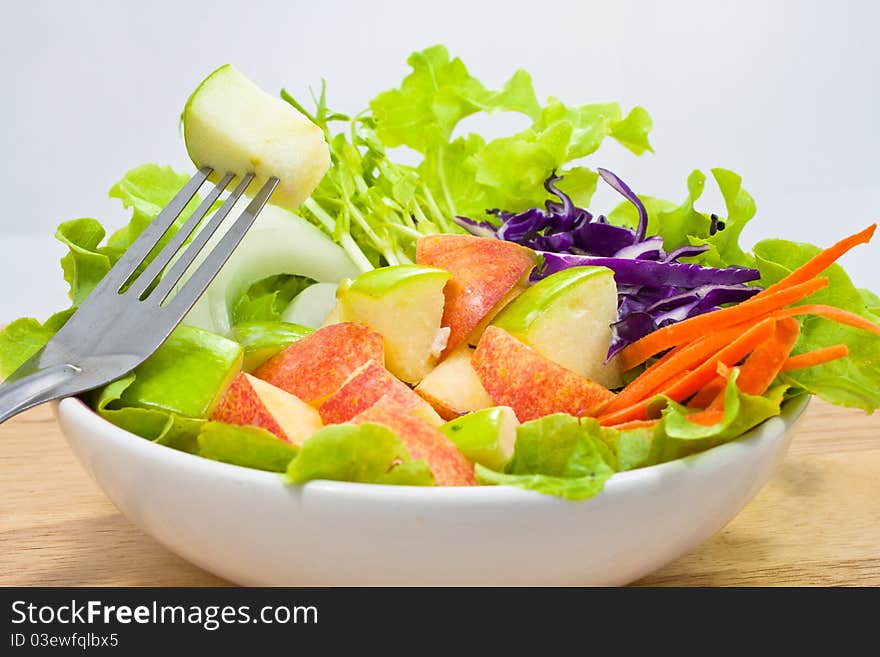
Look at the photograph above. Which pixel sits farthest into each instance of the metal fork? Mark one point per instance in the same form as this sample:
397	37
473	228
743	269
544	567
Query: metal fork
129	314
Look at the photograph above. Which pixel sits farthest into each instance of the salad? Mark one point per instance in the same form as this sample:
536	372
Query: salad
467	320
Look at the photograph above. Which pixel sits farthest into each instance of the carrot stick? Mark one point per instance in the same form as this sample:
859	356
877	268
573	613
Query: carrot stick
772	357
821	261
757	373
685	357
709	416
755	308
730	356
688	385
833	313
709	392
716	400
816	357
764	363
759	370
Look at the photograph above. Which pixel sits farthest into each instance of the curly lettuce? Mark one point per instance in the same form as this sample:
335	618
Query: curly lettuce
364	453
853	381
376	208
556	455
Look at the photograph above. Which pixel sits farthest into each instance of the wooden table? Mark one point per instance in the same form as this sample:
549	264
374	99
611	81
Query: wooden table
817	522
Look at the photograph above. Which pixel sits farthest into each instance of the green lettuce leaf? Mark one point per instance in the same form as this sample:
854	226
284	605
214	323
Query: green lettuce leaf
438	94
22	338
570	488
676	436
725	249
86	261
556	455
468	175
147	189
681	224
632	132
265	300
449	175
365	453
625	214
852	381
631	447
513	169
159	426
588	125
249	447
579	183
872	303
676	226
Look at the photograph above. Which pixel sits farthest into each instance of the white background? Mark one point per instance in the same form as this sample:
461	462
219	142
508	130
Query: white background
785	93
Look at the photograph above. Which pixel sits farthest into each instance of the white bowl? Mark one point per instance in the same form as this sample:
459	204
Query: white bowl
251	528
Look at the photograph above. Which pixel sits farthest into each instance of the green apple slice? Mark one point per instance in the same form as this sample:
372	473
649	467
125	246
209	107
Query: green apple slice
567	318
403	303
230	124
262	340
187	375
486	437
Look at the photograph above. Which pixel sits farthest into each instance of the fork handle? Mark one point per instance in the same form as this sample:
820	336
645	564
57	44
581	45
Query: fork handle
29	391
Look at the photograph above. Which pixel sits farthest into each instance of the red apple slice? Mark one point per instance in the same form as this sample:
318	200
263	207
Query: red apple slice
314	367
251	402
424	441
534	386
484	271
364	388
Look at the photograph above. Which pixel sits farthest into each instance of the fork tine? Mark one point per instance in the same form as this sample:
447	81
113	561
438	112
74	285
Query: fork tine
142	282
147	240
179	268
218	256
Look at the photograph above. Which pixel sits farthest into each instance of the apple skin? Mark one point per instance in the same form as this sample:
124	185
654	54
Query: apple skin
484	271
453	387
187	375
365	387
473	338
314	367
383	280
532	385
424	441
404	304
262	340
486	437
250	401
567	317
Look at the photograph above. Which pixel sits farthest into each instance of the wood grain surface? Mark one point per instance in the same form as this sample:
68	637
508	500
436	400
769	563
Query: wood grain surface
817	522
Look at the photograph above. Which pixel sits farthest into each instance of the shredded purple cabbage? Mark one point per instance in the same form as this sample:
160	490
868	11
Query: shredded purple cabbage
654	288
